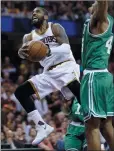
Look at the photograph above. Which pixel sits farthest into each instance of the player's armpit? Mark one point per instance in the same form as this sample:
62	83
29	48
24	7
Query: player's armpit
60	34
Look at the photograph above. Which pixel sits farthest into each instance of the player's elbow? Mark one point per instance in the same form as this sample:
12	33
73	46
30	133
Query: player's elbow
66	47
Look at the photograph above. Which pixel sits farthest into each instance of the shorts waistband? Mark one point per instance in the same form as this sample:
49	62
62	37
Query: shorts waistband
54	66
92	71
77	123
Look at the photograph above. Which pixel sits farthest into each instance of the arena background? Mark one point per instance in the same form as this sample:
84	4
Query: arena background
17	131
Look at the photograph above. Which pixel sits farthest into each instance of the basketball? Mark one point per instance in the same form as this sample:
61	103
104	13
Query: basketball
37	51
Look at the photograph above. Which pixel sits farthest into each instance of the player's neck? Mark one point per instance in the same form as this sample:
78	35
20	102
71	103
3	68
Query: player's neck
43	28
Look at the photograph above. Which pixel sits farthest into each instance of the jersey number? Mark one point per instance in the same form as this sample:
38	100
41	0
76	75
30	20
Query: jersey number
78	109
109	44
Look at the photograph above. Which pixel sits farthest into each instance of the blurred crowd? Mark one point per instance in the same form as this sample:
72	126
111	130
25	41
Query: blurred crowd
57	10
65	10
17	129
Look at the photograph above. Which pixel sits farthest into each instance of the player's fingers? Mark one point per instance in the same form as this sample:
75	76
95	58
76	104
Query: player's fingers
25	54
24	47
25	50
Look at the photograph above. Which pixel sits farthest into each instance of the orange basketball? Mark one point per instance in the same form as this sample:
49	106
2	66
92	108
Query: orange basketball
37	51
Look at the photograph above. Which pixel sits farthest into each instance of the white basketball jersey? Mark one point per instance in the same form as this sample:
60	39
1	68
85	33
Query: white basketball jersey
50	39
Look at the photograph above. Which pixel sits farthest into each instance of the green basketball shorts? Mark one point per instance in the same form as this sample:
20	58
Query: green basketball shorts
75	138
97	95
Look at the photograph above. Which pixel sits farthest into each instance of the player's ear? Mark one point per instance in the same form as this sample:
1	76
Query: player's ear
45	17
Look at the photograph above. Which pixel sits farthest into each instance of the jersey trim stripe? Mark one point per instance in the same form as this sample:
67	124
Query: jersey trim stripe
99	35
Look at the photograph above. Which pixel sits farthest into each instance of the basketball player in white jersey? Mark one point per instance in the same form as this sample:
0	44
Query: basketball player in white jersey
60	69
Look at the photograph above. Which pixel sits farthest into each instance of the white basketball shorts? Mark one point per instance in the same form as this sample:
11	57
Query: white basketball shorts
55	79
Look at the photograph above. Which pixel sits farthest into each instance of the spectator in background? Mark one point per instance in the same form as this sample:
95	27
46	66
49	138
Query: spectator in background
48	116
20	135
18	118
52	123
10	121
3	138
12	9
10	140
32	134
25	13
4	9
6	77
59	118
46	145
4	112
20	79
8	66
56	10
53	139
24	70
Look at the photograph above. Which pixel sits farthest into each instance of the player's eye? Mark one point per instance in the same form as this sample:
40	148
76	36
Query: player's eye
38	11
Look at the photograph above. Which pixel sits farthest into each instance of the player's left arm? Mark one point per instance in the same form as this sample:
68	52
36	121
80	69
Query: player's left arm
60	34
100	13
102	10
62	39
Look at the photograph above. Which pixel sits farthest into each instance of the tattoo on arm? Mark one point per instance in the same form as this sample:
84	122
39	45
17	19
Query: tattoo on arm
60	34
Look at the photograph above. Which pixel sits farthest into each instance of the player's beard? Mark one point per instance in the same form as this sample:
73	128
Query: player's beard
38	23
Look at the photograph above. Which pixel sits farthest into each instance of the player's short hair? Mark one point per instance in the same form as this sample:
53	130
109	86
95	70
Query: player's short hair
44	10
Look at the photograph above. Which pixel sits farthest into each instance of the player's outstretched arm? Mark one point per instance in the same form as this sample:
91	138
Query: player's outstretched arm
22	51
100	12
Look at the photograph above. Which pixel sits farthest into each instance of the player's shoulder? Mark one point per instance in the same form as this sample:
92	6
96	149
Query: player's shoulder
57	25
27	37
57	28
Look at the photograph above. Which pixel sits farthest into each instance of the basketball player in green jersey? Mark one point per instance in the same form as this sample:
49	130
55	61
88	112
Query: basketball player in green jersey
75	137
97	83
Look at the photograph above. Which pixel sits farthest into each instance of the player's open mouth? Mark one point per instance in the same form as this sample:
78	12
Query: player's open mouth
35	18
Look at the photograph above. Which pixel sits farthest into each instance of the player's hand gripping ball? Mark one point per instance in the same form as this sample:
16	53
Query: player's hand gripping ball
37	50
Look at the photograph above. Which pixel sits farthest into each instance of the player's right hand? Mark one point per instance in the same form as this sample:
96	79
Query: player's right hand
22	52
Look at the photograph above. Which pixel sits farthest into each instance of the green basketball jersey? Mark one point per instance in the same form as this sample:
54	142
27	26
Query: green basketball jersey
76	111
96	48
